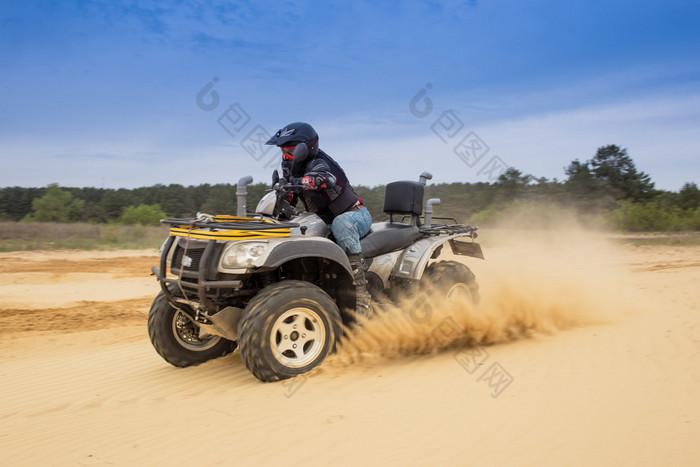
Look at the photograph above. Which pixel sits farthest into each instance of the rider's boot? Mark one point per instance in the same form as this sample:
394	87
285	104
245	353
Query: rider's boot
363	305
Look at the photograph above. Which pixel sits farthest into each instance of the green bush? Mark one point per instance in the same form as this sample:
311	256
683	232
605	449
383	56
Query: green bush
653	216
143	214
691	219
57	205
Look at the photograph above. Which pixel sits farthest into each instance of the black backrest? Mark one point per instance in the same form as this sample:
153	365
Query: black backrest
404	198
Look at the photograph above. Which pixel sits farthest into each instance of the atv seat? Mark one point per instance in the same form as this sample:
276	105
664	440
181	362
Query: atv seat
384	237
400	198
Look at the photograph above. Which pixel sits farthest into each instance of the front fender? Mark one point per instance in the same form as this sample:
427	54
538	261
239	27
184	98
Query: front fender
305	248
414	259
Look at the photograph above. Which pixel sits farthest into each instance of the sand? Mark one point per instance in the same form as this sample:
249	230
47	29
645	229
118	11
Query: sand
581	352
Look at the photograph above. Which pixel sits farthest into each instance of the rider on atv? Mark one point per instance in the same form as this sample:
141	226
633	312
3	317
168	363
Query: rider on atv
328	193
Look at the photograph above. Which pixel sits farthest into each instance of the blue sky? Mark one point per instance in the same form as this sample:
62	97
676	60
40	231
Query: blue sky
135	93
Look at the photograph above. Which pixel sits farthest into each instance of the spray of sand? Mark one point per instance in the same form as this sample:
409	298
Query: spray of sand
530	283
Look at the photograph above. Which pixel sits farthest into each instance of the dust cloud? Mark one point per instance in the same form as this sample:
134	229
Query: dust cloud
531	283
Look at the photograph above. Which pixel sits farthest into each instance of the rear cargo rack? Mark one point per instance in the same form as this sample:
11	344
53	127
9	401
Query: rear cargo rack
440	229
449	229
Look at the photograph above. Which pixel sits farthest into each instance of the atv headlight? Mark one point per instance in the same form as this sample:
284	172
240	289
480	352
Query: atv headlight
244	255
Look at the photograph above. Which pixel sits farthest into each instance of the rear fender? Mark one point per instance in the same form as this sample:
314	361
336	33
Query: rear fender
383	265
414	259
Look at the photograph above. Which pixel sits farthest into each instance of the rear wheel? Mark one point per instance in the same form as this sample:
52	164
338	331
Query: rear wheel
287	329
178	339
453	282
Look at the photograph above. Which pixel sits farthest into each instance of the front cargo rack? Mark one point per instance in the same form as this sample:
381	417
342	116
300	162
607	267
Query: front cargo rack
207	227
211	229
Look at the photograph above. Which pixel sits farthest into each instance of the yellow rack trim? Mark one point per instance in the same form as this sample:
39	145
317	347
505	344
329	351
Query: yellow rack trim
230	234
226	218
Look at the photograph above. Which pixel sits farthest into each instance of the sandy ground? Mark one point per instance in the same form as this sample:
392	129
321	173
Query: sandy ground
580	353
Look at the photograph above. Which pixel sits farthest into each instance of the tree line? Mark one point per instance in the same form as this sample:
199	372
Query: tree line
608	188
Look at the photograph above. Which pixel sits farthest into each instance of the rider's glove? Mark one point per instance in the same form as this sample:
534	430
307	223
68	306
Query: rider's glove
308	182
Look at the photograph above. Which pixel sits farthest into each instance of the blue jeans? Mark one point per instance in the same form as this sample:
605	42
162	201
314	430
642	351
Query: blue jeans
349	227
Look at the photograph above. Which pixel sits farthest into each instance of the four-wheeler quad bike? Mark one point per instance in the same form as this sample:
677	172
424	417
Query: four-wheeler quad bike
280	289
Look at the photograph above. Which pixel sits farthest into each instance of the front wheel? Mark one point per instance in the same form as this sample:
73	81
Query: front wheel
287	329
178	339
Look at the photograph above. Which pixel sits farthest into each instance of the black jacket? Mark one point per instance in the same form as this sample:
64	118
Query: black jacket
331	193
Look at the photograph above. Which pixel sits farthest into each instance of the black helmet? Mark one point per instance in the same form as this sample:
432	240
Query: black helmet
296	133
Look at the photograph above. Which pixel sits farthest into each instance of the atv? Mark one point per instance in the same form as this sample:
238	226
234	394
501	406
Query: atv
278	287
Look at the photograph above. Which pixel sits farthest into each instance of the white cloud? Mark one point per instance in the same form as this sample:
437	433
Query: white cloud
661	135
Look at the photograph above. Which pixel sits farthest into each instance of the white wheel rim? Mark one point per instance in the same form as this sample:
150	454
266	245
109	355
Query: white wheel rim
459	293
187	333
297	337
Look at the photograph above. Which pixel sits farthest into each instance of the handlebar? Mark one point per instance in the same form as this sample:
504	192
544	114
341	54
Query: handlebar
288	187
